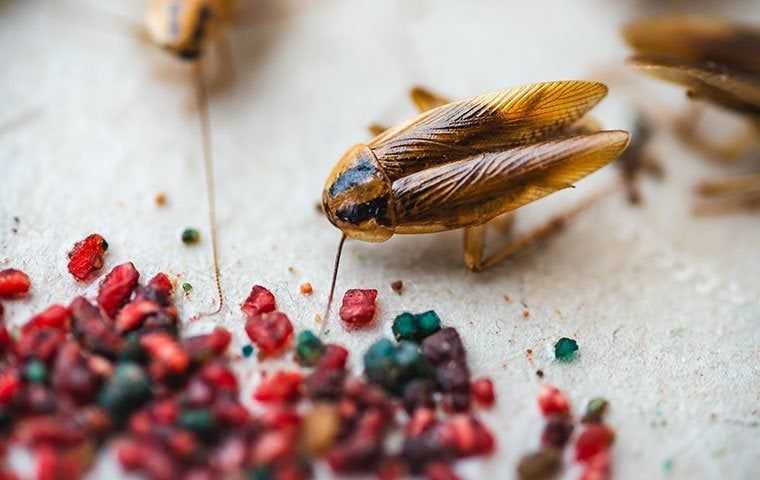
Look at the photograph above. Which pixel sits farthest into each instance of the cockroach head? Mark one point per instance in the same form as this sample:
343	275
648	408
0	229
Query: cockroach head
357	197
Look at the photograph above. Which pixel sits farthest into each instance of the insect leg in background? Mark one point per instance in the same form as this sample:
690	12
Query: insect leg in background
718	61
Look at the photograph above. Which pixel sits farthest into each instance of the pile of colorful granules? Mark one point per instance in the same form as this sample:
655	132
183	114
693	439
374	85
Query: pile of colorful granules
115	370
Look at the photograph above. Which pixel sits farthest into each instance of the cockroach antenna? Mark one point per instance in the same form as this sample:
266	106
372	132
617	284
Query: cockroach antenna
208	165
332	284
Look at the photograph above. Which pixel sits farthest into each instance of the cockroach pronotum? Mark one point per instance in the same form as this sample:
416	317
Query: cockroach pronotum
718	61
460	165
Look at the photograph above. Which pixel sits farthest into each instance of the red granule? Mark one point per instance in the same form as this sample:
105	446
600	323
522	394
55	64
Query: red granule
40	343
10	383
166	353
482	391
440	471
593	440
422	419
14	283
86	257
259	301
271	331
551	401
162	283
204	347
333	358
132	316
358	308
599	467
467	436
280	387
117	287
55	316
306	288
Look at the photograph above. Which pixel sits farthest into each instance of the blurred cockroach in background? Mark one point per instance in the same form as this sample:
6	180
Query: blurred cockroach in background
718	61
460	165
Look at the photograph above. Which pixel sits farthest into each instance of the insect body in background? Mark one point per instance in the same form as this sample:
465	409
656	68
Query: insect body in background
459	165
719	62
185	28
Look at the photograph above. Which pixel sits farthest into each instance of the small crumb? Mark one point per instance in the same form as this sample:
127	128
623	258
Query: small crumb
187	288
397	286
525	313
529	351
160	199
507	299
190	236
16	220
291	270
540	373
306	288
318	319
14	230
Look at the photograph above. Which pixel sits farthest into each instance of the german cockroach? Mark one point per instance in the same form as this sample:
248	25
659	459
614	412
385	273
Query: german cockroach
460	165
719	62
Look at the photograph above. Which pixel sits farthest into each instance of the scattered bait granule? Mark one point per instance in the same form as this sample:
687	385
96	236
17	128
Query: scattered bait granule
270	331
540	373
358	308
482	392
247	350
557	432
306	288
281	387
320	428
116	288
14	283
260	300
160	199
565	349
187	288
551	401
595	410
309	348
397	286
190	236
86	257
507	299
595	439
526	313
416	328
598	468
541	465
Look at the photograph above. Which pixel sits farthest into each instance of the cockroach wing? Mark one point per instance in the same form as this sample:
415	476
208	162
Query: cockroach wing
734	90
697	40
491	122
476	189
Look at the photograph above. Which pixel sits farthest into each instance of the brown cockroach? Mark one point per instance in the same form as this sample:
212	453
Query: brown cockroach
718	61
460	165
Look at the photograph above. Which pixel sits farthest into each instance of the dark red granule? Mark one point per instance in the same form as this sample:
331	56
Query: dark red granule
6	341
419	393
14	283
281	387
358	308
220	377
116	288
482	392
202	348
440	471
397	286
274	445
557	432
325	383
55	316
72	376
445	351
392	468
271	331
86	257
599	467
55	464
551	401
133	315
259	301
59	430
91	330
420	421
466	436
167	356
594	439
362	450
334	357
41	343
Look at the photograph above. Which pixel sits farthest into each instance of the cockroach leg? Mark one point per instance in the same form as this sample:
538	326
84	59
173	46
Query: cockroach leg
728	195
475	242
731	149
505	224
474	246
224	72
376	129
